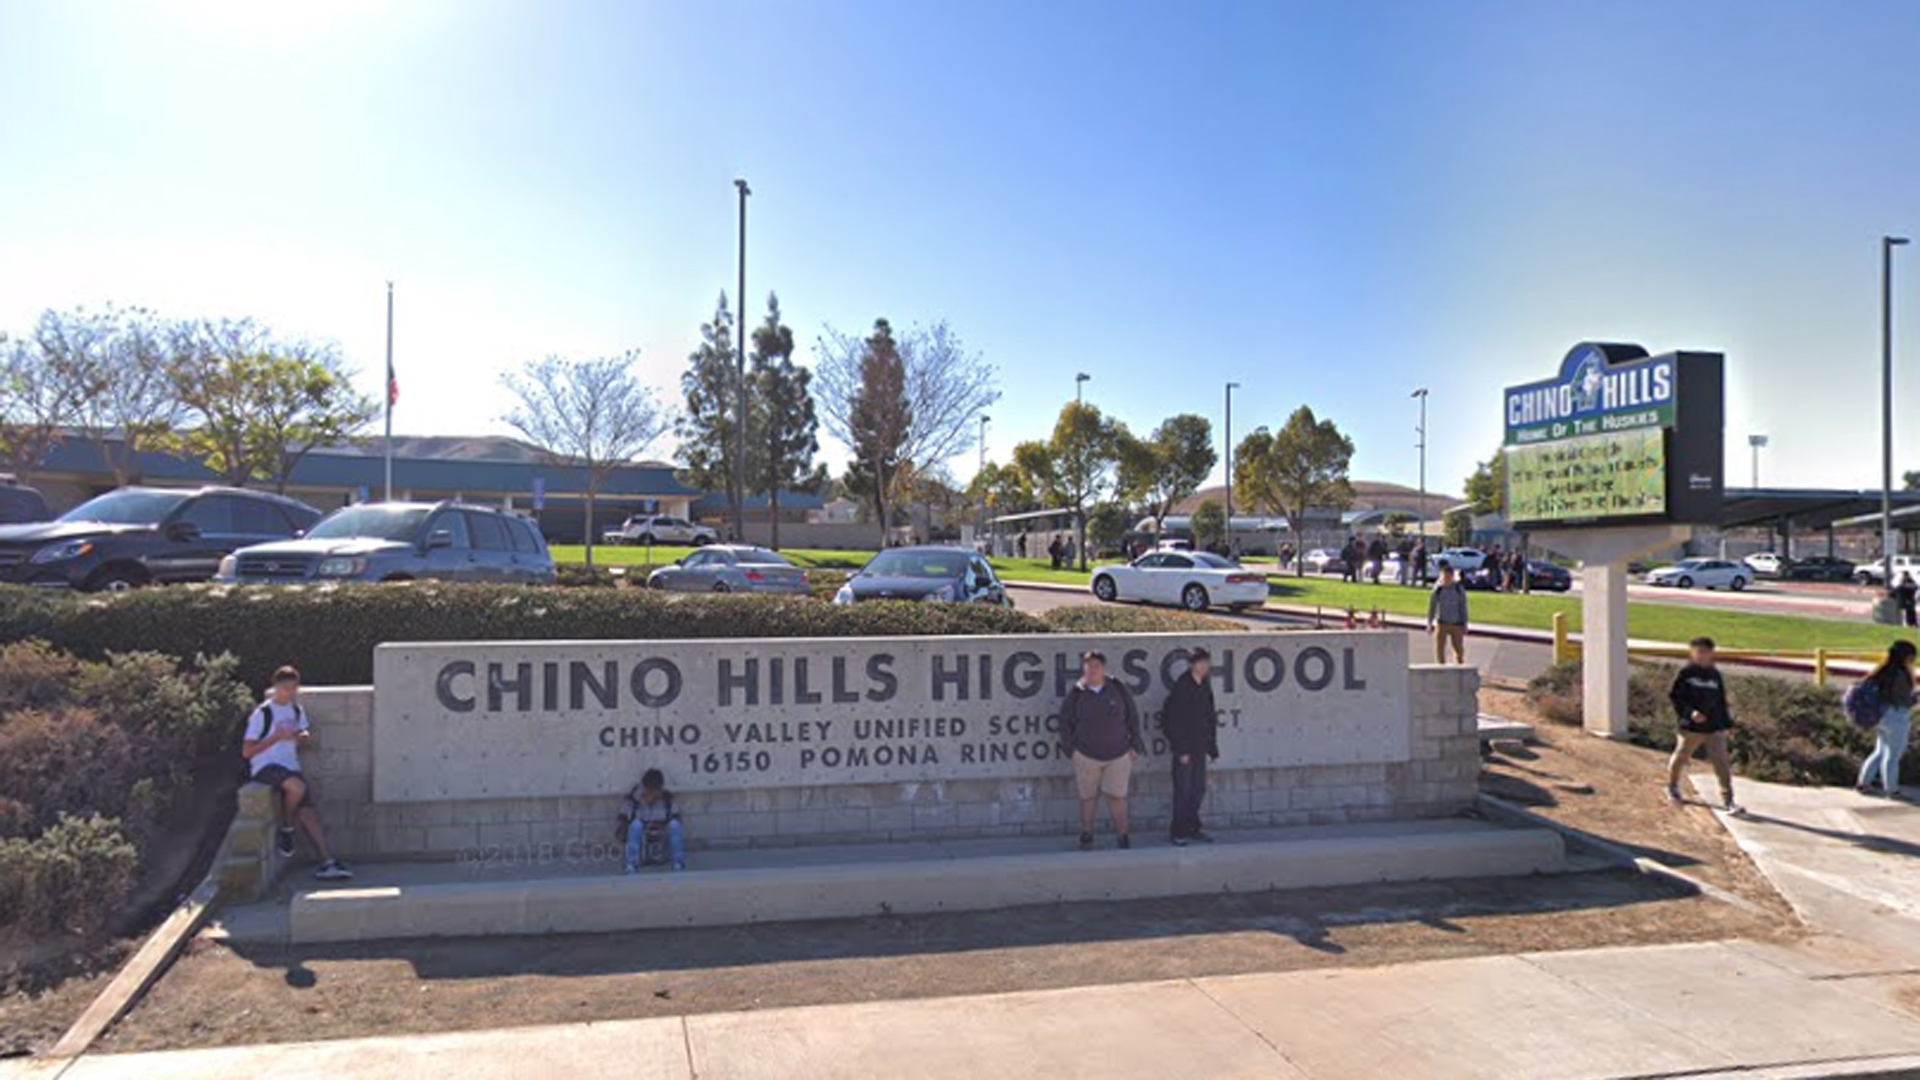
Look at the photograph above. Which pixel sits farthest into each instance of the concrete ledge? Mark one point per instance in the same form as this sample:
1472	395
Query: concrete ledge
850	881
1499	728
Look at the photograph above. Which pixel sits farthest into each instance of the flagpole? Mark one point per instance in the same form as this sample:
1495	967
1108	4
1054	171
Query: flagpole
389	389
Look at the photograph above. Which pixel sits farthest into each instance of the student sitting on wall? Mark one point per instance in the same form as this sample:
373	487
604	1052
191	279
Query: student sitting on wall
650	825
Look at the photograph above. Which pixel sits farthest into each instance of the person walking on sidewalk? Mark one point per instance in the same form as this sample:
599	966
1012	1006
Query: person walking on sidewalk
1447	616
1192	726
1101	725
1699	697
1894	681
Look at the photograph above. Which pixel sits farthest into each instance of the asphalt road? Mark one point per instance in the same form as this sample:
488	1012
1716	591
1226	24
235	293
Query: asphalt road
1496	659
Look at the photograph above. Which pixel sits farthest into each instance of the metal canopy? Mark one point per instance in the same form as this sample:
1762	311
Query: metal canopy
1805	508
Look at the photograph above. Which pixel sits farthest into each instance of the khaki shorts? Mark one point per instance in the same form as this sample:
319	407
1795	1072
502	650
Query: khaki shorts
1093	778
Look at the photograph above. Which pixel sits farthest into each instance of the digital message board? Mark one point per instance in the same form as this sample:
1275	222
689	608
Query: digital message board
1617	437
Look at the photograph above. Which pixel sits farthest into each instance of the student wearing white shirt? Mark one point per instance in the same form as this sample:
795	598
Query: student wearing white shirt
271	744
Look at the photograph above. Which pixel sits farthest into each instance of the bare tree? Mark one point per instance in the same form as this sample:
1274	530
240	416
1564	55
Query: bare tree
946	387
594	415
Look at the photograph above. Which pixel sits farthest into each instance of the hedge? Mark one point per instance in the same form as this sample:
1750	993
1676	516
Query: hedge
330	632
1786	730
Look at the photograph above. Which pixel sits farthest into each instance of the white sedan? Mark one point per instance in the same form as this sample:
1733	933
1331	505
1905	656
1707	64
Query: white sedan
1195	580
1706	573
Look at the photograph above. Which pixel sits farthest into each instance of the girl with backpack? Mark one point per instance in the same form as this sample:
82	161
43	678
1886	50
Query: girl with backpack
1892	682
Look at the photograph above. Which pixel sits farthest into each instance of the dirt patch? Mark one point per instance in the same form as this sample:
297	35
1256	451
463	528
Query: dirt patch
38	1002
220	995
1616	790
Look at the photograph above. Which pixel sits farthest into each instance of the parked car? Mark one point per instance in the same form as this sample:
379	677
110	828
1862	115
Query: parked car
1324	561
1820	568
401	541
146	536
1766	564
21	505
1549	577
661	529
1464	560
1195	580
1874	571
1705	573
925	573
731	568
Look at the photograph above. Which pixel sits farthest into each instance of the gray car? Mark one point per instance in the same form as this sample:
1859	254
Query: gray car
401	541
731	568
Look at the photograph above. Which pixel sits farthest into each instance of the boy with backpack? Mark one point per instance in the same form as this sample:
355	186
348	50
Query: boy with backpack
1699	697
650	826
271	746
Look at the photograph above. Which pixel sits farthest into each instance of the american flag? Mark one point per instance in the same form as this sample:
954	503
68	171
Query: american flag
393	387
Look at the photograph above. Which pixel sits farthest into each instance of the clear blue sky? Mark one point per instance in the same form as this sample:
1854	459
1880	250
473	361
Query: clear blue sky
1331	203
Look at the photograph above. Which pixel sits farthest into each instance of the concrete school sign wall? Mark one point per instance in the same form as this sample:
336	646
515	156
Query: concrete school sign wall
493	720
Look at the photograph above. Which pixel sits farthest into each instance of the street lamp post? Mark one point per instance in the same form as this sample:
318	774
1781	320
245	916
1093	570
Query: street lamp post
1422	444
740	377
1887	244
1079	381
1756	442
984	419
1231	387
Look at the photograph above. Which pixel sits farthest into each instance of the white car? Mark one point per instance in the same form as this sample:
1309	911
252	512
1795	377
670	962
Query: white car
1705	573
1766	564
1324	561
1464	560
661	529
1874	571
1195	580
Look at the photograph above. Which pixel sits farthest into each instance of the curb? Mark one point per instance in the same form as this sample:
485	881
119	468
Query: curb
1500	809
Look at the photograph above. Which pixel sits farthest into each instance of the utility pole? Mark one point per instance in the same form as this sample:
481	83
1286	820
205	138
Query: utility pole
740	374
1887	244
1079	381
1231	387
1756	442
984	420
393	392
1422	444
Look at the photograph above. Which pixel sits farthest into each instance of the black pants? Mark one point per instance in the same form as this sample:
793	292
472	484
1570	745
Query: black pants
1189	789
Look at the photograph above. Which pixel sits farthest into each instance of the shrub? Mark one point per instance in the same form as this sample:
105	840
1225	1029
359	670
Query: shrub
77	876
34	676
1786	730
63	763
1087	619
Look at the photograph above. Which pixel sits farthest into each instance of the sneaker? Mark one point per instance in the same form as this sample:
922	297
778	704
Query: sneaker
283	842
1201	838
1124	843
1179	841
629	870
679	866
1086	841
1733	809
333	870
1674	796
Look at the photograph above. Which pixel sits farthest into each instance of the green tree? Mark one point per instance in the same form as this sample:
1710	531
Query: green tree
122	358
257	404
708	431
1302	467
783	429
1457	527
879	422
1001	489
1487	487
1167	466
1107	527
1081	460
1209	525
593	415
39	397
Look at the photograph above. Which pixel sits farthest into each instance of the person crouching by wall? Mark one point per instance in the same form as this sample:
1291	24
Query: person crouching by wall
1192	726
1101	725
651	826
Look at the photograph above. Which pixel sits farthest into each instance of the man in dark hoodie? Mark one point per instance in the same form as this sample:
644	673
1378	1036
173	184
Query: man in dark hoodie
1101	725
1192	728
1699	697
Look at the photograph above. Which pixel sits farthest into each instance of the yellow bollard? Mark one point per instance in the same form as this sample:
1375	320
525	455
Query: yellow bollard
1820	668
1562	649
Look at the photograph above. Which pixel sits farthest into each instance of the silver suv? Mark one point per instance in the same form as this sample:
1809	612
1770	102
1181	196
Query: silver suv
401	541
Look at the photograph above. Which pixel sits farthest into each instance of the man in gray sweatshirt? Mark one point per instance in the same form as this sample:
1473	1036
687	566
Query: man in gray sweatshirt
1100	723
1447	616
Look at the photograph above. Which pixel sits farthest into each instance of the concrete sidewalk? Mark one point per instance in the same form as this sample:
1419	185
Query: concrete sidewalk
1698	1010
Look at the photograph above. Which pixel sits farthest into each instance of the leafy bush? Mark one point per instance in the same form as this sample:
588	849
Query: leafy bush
62	763
579	575
1785	730
1106	619
76	875
33	675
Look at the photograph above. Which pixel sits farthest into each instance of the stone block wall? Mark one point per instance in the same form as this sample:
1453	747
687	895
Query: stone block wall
1439	781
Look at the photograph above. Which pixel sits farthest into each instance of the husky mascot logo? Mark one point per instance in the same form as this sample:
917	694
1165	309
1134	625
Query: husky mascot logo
1586	384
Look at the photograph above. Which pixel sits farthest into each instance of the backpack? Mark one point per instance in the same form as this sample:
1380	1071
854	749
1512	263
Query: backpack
1862	703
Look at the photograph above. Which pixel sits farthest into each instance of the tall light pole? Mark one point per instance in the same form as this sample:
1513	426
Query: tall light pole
1887	244
1231	387
984	420
1079	381
740	375
1422	444
1756	442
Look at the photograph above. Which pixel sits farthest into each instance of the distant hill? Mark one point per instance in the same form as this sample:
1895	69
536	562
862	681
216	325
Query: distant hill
1367	495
